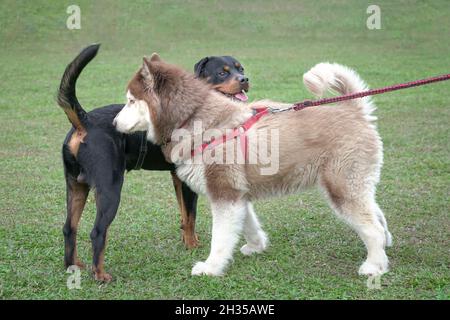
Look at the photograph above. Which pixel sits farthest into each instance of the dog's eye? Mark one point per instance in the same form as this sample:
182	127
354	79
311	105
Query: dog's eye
131	101
223	74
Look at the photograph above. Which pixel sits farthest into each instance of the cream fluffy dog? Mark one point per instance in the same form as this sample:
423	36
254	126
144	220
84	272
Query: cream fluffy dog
336	148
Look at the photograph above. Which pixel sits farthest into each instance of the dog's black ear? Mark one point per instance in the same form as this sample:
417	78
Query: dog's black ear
200	67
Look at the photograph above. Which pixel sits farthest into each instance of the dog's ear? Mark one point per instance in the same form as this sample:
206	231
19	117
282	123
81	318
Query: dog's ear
200	67
152	66
155	57
145	70
151	72
157	74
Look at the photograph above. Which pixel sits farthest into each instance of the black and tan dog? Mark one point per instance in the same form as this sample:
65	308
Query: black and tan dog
226	75
95	155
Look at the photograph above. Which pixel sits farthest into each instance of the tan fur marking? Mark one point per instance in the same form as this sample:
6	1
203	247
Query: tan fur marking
99	271
77	201
73	118
188	235
75	141
229	87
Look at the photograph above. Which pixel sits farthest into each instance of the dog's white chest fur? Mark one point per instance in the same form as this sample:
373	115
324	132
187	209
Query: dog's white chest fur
194	176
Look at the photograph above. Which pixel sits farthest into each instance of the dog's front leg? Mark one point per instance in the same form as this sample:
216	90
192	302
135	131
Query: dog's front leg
228	221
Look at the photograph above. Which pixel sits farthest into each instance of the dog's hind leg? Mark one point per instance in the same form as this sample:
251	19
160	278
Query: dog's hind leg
254	235
76	199
382	220
359	210
107	201
362	217
187	203
228	222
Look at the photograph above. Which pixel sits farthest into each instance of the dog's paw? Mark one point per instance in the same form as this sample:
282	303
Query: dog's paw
102	277
190	240
251	248
373	269
203	268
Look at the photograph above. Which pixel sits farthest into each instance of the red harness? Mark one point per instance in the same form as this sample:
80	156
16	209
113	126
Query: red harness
239	132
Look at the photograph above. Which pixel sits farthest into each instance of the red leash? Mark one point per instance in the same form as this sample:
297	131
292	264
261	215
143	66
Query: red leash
309	103
260	112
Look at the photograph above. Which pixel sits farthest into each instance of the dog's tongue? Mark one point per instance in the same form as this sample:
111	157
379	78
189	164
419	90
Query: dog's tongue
241	96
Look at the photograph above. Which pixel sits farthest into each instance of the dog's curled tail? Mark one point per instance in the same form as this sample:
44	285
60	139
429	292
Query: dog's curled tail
67	98
338	79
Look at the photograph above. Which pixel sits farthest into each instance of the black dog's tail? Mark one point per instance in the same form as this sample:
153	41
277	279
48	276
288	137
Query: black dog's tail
67	98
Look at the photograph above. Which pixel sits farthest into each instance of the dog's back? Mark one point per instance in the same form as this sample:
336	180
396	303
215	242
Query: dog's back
315	141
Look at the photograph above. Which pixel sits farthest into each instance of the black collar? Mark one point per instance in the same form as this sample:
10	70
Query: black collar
142	150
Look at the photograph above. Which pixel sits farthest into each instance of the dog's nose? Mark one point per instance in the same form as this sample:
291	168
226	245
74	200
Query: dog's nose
242	79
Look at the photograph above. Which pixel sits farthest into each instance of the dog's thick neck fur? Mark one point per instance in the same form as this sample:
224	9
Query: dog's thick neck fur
165	88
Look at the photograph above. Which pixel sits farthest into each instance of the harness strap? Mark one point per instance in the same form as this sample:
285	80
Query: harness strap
239	132
142	150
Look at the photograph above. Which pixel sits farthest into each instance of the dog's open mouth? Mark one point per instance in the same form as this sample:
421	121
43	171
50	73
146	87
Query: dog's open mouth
241	96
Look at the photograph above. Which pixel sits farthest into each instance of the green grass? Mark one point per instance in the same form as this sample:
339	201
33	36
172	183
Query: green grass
312	255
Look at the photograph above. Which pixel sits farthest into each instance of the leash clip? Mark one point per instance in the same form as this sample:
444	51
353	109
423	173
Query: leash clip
278	110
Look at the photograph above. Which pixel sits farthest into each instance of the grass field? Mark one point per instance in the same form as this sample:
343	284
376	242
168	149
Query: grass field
312	254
